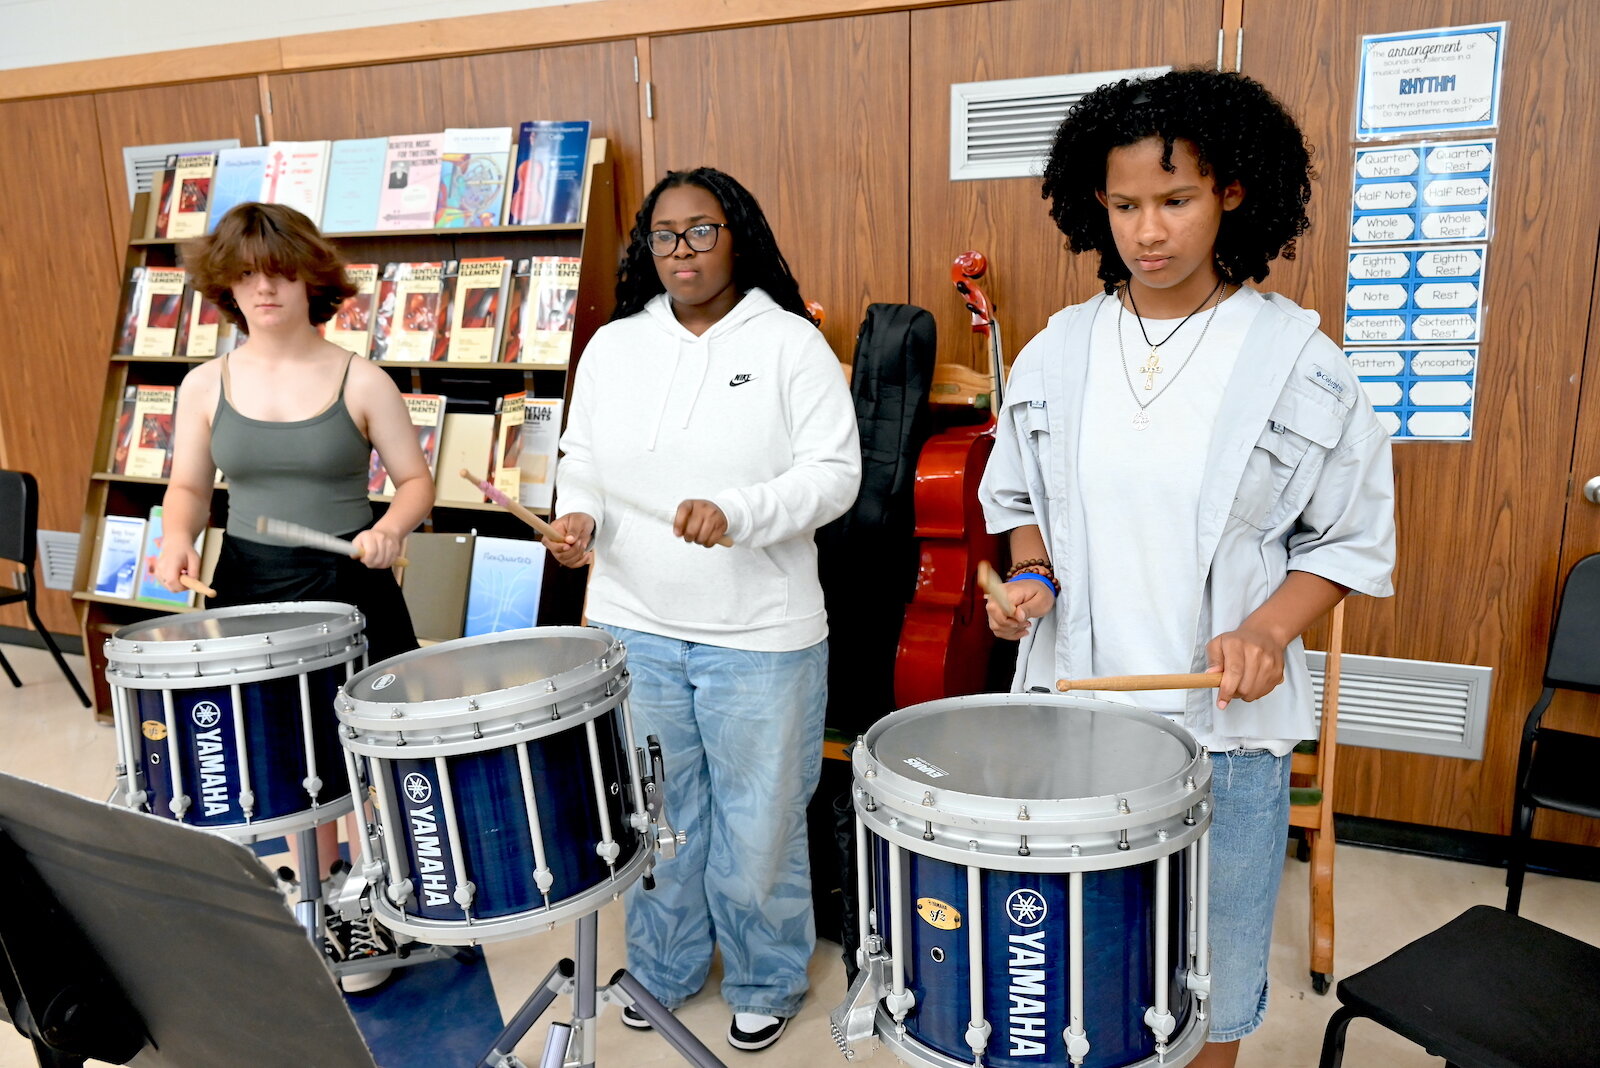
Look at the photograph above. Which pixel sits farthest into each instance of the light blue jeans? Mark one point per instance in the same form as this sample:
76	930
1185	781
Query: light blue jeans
1249	831
741	736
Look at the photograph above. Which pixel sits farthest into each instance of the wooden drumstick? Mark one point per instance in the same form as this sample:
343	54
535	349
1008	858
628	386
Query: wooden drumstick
189	582
991	584
1199	680
296	534
495	495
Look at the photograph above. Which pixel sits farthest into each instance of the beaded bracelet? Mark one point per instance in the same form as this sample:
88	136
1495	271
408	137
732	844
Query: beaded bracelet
1028	565
1046	579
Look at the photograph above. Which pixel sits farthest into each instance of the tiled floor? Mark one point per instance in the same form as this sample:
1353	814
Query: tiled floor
1383	901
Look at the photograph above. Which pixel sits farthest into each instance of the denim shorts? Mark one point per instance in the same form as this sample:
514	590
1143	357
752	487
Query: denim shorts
1249	831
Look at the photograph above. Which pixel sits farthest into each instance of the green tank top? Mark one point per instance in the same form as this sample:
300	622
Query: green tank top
307	471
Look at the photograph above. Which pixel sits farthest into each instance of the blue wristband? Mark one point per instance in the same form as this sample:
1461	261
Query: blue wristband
1055	590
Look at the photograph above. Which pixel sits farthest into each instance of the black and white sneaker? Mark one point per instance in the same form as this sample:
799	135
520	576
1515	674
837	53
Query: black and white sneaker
753	1030
365	939
634	1018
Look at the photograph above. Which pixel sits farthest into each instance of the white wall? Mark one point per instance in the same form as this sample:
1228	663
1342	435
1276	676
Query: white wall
37	32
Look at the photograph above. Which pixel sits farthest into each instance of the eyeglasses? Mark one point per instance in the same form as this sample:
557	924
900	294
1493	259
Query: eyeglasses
702	237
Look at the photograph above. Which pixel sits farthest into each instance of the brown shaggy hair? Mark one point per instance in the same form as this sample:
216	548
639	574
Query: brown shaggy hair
277	240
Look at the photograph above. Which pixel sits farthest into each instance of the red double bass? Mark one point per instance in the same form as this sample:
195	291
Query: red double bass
945	641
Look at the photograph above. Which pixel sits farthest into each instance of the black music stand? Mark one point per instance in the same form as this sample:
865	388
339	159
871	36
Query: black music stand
178	936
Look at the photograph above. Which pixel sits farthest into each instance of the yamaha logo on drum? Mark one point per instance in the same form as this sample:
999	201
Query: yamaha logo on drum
1025	1027
213	760
429	851
384	681
418	788
1026	908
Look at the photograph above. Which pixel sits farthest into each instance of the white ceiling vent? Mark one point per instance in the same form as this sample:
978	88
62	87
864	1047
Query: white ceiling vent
1003	129
1413	706
141	163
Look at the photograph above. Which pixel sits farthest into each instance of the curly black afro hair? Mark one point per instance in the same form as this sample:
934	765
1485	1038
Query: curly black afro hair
1241	132
757	260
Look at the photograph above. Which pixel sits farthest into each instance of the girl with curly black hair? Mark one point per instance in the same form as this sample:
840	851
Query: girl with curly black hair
1188	472
710	410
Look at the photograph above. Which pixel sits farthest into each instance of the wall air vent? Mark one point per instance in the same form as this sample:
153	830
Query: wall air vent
58	558
1003	129
142	163
1413	706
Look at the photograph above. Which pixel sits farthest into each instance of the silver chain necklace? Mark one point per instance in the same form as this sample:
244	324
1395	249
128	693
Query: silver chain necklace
1141	418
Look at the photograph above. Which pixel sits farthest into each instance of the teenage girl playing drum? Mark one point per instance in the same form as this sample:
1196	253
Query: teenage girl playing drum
1189	473
711	392
291	419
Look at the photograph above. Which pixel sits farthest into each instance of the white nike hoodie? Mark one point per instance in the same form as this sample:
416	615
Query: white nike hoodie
753	415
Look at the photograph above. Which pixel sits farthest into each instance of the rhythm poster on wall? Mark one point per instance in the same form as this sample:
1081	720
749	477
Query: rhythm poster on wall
1428	81
1427	192
1421	308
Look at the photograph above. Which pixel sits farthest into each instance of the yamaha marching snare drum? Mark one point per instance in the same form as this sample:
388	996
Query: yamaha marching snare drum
224	718
1031	885
509	791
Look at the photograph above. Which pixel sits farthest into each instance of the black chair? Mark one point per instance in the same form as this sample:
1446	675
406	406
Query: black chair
19	531
1486	990
1557	769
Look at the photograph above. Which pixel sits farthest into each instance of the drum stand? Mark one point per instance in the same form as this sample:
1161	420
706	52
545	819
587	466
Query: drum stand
577	1039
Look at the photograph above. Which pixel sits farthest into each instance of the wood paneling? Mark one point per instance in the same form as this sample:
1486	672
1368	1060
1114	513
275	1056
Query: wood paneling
381	101
501	31
1480	522
564	25
57	281
1032	275
196	112
813	119
184	65
593	82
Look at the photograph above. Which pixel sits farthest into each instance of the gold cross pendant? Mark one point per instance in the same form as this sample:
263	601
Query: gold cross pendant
1151	368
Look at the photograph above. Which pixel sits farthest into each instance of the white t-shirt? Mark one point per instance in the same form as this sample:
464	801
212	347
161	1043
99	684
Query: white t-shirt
1142	488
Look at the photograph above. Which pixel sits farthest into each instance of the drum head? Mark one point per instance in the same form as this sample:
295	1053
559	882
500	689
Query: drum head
474	666
238	621
1048	750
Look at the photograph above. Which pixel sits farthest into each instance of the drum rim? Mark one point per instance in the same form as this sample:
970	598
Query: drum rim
376	717
945	806
123	649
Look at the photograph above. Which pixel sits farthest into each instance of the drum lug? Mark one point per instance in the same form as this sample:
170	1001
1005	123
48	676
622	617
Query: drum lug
1077	1044
853	1021
899	1004
464	892
400	892
977	1037
1198	982
1162	1023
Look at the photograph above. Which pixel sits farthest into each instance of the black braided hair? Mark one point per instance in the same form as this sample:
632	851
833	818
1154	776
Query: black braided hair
756	258
1241	133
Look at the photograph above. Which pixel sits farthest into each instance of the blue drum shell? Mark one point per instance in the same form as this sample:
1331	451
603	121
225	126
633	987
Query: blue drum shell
274	737
492	818
1025	964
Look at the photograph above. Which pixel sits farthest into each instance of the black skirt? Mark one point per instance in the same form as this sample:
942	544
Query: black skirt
251	572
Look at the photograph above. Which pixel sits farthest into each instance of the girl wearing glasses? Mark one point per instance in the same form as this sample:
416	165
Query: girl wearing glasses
710	408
